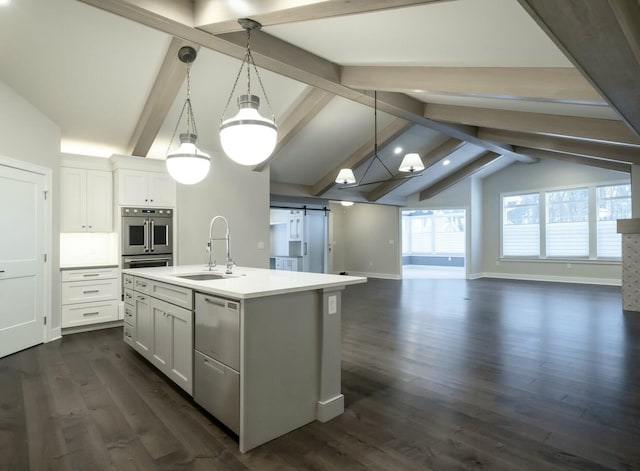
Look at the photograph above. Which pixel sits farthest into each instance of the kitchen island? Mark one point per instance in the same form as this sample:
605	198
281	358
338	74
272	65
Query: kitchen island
259	349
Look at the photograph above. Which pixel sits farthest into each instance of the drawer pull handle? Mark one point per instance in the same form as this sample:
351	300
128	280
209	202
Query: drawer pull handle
1	271
90	313
128	295
213	367
217	302
144	285
128	334
90	291
91	274
141	298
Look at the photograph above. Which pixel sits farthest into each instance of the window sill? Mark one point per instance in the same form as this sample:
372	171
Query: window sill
577	261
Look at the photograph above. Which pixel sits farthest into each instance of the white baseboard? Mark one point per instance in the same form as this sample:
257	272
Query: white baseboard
475	276
327	410
383	276
55	334
552	278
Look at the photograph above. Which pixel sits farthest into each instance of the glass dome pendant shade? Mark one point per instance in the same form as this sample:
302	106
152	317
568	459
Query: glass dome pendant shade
248	138
187	164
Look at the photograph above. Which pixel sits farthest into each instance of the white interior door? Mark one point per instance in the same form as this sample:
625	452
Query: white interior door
21	259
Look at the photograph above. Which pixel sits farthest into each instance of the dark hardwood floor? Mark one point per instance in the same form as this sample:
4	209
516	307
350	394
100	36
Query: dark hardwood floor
437	374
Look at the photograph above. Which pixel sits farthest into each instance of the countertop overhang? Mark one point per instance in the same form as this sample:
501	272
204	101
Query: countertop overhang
245	282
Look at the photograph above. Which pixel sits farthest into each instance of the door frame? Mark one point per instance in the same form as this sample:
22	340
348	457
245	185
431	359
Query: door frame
48	332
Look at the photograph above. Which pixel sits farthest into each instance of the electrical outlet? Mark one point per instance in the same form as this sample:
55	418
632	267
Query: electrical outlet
332	304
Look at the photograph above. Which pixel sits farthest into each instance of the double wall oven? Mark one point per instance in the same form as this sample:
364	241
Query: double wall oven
147	237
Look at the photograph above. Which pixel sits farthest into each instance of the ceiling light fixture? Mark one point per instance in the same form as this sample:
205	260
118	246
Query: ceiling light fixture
187	164
446	162
346	203
248	138
411	163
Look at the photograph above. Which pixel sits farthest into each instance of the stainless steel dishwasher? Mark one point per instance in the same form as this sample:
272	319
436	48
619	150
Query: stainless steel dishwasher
216	377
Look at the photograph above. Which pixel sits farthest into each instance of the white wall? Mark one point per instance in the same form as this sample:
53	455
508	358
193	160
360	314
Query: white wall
524	177
240	195
367	240
28	135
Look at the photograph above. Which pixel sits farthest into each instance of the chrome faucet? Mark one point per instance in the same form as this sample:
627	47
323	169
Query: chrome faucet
212	263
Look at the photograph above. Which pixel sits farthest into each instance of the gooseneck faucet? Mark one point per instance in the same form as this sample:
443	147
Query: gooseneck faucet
212	263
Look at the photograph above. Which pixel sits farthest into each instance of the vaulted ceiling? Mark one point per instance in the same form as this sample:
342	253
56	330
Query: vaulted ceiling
479	83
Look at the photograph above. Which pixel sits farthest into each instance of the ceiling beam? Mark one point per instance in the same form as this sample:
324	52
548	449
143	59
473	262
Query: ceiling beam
293	62
161	97
302	111
535	123
618	153
216	16
361	155
430	158
590	35
460	174
628	15
550	84
577	159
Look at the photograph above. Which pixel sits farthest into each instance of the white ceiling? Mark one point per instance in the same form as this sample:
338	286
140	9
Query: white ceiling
91	72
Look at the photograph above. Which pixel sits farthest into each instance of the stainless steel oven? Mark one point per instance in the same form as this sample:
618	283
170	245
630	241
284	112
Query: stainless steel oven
147	231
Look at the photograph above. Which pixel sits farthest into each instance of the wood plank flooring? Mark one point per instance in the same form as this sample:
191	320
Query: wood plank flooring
437	374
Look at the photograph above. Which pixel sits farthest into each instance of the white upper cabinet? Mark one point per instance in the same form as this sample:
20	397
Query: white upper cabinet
142	188
87	200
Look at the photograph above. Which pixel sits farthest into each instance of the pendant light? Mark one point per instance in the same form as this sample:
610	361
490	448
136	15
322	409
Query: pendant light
410	163
187	164
248	138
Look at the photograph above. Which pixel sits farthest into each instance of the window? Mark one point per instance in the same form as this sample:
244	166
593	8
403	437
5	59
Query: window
438	232
613	203
566	223
521	225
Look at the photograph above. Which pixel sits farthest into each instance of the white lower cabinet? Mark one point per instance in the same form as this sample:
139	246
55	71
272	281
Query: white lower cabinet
89	296
161	331
173	342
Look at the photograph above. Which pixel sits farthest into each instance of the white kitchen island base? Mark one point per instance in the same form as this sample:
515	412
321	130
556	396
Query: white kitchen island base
289	369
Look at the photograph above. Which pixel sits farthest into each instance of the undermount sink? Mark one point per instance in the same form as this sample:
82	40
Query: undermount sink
203	276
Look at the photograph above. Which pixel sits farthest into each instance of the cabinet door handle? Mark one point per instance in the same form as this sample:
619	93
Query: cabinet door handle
90	291
141	298
85	314
143	285
217	302
1	271
91	274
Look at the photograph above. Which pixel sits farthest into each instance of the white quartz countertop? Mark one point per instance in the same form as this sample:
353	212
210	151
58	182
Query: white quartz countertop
245	282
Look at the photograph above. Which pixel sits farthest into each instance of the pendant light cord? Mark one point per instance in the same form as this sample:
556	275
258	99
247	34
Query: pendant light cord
248	59
191	121
375	141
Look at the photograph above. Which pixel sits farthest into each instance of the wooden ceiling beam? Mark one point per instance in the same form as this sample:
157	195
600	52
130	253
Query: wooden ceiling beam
550	84
361	155
165	89
457	176
216	16
293	62
618	153
535	123
302	111
576	159
628	15
430	158
590	35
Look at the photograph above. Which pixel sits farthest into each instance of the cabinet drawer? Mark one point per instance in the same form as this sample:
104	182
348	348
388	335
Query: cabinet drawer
173	294
89	313
217	389
129	315
88	274
141	285
89	291
127	281
128	296
129	334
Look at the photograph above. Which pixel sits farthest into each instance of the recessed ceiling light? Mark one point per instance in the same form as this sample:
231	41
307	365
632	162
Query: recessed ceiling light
346	203
397	150
4	3
446	162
